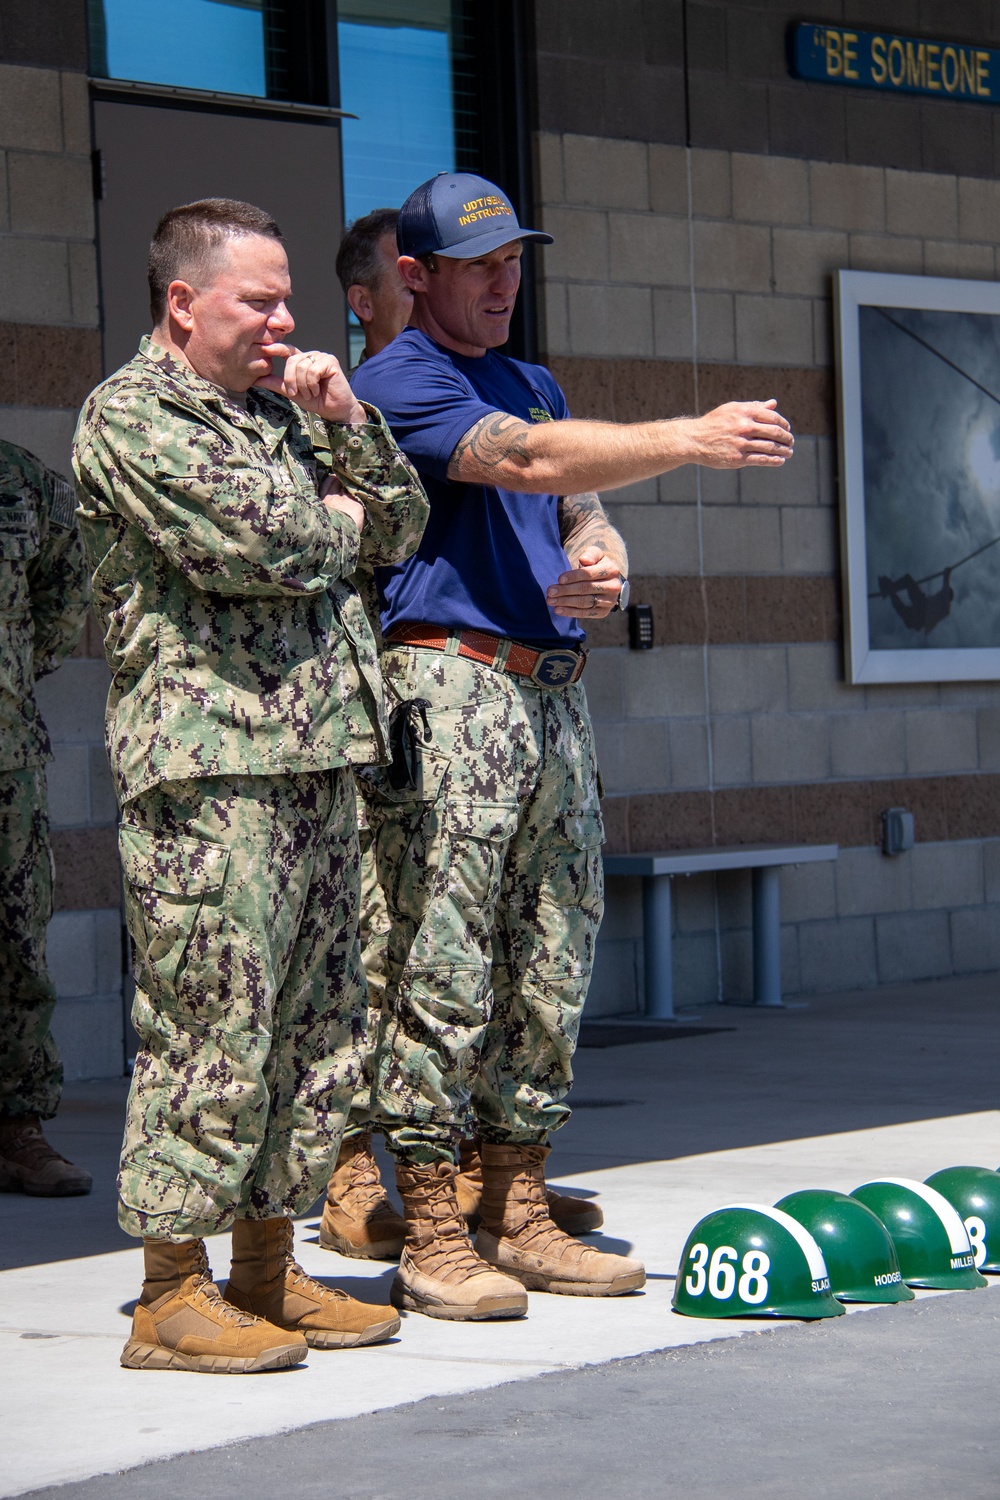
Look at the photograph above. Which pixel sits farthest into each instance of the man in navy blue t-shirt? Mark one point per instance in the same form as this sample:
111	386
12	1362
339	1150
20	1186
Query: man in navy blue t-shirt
487	827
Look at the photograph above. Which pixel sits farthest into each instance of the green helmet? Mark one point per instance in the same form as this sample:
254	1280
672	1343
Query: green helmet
974	1192
856	1245
930	1239
751	1261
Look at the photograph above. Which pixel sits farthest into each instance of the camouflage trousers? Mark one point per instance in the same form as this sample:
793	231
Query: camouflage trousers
241	897
492	877
30	1070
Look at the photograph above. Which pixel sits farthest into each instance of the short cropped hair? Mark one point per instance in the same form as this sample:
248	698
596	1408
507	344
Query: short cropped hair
358	259
187	242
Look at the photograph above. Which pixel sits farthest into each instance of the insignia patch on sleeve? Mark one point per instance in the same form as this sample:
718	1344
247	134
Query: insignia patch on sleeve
62	504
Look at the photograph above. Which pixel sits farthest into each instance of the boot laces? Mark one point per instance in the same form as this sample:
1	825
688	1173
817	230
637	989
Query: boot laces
295	1276
438	1239
365	1185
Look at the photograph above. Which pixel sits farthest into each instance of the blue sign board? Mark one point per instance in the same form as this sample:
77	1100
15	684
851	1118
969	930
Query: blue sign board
895	64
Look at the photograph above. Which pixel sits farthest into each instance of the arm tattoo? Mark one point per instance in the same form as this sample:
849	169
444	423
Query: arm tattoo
584	523
495	440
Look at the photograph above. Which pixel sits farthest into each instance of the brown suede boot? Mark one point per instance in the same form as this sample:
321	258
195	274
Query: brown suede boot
440	1274
182	1323
266	1280
28	1164
358	1219
518	1236
572	1215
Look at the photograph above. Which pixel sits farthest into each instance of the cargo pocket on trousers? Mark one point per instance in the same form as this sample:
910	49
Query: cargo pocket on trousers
174	912
153	1195
478	835
585	832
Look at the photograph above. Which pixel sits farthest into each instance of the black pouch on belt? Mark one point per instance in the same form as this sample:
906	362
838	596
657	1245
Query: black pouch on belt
403	730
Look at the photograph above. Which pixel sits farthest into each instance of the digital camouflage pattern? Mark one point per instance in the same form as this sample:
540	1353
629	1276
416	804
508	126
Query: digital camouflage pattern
236	642
241	900
30	1070
43	605
493	880
43	597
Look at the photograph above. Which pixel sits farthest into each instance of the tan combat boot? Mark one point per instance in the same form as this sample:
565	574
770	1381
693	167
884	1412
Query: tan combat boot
28	1164
266	1280
358	1219
518	1236
182	1322
440	1274
572	1215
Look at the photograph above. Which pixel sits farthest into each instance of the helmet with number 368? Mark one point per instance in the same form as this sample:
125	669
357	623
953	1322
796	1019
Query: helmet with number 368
750	1261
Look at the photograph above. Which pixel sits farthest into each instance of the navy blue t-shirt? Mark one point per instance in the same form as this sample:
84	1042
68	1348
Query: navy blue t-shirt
488	555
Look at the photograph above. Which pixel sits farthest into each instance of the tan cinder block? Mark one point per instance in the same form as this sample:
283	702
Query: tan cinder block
673	337
823	331
816	679
611	320
711	185
979	209
680	486
688	752
50	195
795	483
868	744
770	189
34	282
716	325
30	109
949	258
774	330
581	244
730	750
606	173
846	197
805	260
668	179
649	249
718	486
732	257
556	318
747	680
550	186
742	541
937	742
885	252
921	202
668	680
790	747
75	114
808	539
665	537
826	469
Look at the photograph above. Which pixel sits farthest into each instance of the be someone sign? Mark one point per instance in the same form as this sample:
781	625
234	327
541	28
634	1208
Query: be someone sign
896	64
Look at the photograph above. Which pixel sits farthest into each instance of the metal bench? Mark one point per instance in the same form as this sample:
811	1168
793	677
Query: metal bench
657	871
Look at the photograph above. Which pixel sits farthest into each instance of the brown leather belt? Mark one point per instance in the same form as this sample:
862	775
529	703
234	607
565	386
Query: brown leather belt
555	668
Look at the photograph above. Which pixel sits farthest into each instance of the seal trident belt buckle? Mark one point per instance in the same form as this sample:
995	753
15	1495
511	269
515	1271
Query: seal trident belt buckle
557	668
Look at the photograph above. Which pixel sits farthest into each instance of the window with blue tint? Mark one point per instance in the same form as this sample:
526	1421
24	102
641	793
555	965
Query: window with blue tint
218	45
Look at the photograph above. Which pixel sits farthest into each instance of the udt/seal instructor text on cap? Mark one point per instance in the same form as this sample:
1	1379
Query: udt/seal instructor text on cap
459	215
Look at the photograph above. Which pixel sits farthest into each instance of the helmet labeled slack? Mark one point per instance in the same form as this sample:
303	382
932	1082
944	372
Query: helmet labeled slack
748	1260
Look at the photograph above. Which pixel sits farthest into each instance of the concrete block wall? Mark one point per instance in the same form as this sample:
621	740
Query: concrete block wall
49	360
685	276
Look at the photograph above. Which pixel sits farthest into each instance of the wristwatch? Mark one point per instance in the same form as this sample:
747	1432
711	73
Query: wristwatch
621	603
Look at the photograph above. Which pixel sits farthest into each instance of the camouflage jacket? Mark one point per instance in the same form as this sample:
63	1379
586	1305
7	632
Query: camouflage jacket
236	643
43	597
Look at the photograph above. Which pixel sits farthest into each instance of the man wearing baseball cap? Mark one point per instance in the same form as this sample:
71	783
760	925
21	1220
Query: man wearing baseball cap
487	827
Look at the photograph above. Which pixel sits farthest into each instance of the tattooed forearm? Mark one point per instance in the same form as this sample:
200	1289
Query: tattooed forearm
584	523
496	441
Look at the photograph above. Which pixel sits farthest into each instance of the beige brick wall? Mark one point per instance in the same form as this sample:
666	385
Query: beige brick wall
722	257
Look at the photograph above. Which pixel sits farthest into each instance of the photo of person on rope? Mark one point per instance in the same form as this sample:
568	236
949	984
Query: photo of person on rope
924	611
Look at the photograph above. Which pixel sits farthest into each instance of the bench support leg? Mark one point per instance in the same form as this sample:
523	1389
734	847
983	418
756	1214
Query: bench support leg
766	936
656	937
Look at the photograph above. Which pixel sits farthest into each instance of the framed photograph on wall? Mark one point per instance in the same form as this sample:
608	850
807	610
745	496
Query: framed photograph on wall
918	363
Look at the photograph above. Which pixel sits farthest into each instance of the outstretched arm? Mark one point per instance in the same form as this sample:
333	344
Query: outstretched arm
572	457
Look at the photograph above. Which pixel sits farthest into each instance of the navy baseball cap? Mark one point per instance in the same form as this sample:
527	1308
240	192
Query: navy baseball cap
459	215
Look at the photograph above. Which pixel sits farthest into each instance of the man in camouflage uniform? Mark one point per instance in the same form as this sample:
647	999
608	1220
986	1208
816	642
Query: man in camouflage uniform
43	604
487	843
245	686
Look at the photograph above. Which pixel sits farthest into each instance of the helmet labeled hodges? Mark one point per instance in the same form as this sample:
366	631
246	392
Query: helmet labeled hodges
748	1260
974	1193
859	1253
931	1241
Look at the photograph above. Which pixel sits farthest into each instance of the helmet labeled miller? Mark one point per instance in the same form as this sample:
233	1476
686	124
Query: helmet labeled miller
931	1241
747	1261
974	1193
859	1253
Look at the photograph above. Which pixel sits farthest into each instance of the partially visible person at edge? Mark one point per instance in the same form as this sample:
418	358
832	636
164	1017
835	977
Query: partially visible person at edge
368	272
43	605
487	970
245	687
358	1217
